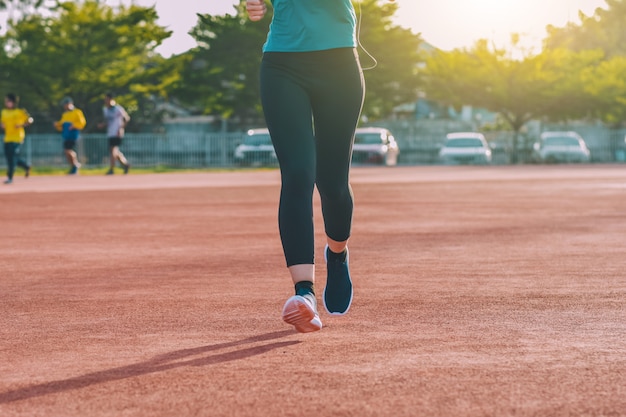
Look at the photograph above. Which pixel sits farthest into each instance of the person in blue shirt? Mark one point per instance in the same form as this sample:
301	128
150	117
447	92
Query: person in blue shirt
312	92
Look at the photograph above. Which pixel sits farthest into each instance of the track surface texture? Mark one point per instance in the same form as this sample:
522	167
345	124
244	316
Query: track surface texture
479	291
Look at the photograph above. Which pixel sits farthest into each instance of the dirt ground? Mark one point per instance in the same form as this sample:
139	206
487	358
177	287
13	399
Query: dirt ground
479	291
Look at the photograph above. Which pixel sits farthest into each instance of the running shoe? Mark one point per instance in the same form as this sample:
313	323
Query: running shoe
73	170
338	291
301	312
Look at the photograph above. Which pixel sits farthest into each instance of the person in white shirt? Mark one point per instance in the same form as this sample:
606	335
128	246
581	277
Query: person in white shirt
115	119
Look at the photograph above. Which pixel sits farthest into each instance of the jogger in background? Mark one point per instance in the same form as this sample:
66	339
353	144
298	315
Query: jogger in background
13	120
115	120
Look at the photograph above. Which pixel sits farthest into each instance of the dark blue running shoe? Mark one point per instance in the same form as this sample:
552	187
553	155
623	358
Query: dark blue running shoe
74	169
338	291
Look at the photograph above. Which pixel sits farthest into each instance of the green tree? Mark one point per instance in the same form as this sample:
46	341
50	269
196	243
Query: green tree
607	84
222	73
85	49
603	83
394	79
546	85
220	76
21	4
604	30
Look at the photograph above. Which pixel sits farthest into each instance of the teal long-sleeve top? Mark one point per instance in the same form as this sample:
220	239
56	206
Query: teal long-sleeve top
311	25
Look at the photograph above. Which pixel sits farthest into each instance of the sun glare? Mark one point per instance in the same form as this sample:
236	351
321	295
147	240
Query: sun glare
450	24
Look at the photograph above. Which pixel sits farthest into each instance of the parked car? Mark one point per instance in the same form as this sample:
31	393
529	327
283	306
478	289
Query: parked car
256	149
561	147
465	148
375	145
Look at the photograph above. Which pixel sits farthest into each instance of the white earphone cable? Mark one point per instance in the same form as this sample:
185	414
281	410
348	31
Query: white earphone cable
358	39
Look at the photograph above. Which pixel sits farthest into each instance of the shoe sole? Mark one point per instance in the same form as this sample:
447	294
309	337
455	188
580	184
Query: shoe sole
299	314
336	313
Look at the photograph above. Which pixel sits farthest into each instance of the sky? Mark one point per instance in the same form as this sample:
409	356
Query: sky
446	24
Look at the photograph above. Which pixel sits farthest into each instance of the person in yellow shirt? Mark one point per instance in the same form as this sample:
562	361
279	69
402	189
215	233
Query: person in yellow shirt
13	121
70	125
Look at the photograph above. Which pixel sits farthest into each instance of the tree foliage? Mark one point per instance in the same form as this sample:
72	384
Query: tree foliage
603	30
21	4
394	79
220	76
602	83
606	83
85	49
578	74
546	85
222	72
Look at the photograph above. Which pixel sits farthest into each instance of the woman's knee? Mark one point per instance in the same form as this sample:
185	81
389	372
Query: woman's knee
334	191
298	179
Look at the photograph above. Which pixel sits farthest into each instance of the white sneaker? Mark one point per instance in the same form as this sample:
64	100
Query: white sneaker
301	312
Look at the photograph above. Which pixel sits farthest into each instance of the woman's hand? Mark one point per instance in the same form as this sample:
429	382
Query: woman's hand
256	9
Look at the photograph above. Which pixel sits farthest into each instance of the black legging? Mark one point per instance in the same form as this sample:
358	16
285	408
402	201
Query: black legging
12	154
312	102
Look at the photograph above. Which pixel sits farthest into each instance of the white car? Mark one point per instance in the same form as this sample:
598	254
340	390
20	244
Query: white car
256	149
561	147
465	148
375	145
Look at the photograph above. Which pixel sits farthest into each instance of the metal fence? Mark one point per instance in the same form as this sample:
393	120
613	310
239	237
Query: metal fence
142	150
419	144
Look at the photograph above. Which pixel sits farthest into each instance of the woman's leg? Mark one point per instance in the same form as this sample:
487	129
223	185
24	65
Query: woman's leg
20	162
336	107
286	104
